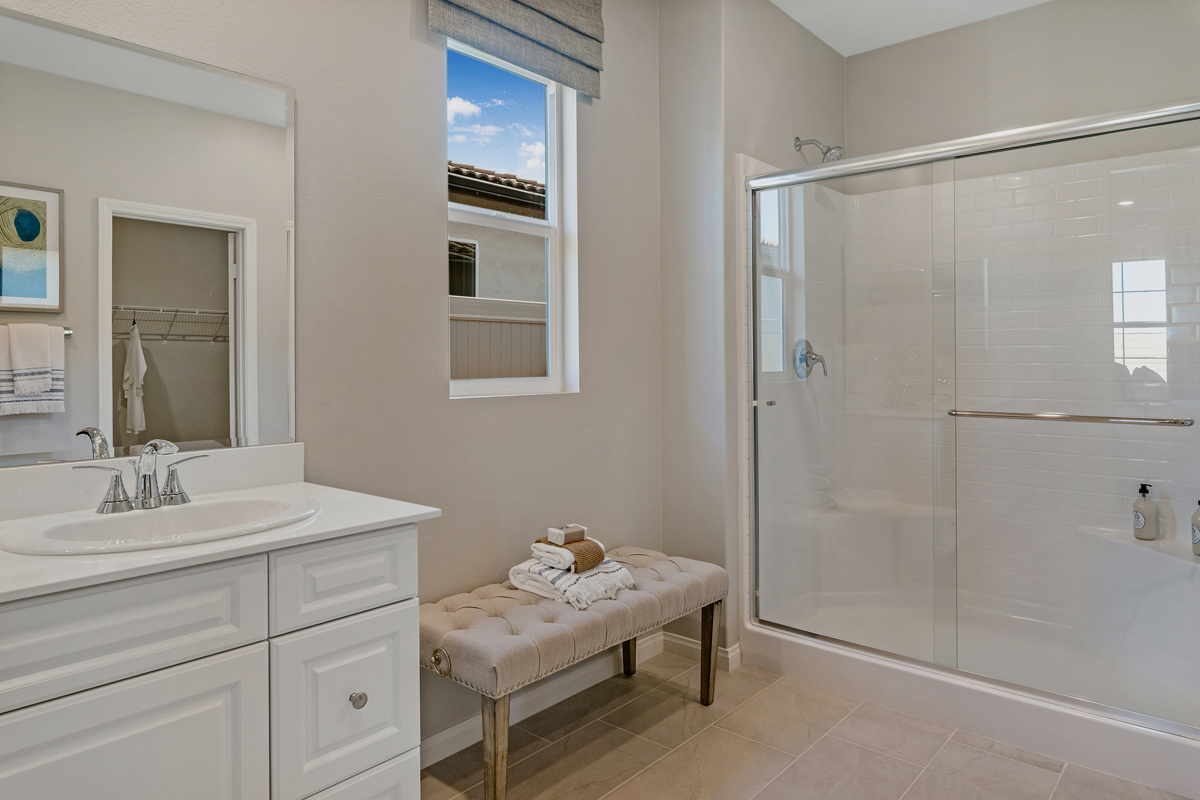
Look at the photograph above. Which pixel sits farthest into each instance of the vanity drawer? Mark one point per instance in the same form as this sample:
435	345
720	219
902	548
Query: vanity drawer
196	731
319	582
398	779
64	642
318	737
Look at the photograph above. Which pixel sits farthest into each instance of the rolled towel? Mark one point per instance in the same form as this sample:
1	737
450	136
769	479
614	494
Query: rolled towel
575	557
579	589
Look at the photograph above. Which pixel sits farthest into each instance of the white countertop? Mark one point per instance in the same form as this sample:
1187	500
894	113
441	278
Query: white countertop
342	513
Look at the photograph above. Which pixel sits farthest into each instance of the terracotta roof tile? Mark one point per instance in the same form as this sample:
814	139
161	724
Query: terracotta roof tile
491	176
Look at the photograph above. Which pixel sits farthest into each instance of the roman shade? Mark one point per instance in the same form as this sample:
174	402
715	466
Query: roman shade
557	39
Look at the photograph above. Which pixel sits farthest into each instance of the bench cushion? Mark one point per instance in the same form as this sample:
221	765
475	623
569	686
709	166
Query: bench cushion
500	638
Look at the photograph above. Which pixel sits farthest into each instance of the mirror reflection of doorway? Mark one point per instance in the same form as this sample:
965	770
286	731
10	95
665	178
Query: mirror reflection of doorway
174	282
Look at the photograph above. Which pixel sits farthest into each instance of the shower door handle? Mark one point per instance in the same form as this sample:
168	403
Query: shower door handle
803	358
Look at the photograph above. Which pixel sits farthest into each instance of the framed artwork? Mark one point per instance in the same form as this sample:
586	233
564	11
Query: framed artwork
31	245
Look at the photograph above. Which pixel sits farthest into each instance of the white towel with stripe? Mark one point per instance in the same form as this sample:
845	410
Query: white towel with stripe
32	375
581	589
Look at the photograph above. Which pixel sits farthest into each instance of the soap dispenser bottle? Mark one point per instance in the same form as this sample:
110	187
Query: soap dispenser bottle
1145	515
1196	532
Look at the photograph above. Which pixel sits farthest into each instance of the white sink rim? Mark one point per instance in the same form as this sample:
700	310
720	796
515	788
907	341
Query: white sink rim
32	536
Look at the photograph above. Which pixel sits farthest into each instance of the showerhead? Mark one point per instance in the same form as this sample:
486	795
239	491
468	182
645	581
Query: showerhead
827	153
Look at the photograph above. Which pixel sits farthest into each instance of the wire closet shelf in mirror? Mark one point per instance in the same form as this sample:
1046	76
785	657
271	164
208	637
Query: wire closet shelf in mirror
171	324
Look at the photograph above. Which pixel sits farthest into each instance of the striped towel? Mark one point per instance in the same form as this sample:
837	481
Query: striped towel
48	383
579	589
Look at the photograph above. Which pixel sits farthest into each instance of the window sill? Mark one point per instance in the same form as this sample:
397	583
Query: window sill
507	387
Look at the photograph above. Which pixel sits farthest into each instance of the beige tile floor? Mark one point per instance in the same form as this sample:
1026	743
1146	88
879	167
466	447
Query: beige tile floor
647	737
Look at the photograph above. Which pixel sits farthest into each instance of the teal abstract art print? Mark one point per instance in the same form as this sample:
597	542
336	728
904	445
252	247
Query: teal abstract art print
30	248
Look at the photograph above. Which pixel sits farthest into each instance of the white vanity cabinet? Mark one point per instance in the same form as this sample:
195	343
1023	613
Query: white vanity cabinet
278	676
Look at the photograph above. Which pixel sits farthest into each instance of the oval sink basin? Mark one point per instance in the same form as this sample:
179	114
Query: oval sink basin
83	533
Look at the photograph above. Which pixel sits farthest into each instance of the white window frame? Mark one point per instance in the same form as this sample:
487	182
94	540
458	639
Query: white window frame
476	269
560	229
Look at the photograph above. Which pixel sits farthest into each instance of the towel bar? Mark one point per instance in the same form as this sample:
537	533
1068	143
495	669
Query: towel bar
1052	417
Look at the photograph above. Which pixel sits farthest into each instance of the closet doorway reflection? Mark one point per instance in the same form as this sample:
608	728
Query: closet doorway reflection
176	310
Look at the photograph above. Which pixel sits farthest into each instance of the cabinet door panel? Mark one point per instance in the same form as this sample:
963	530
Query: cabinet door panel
318	736
318	582
398	779
62	643
198	731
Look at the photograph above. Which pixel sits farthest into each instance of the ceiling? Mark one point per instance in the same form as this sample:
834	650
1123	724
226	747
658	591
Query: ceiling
856	26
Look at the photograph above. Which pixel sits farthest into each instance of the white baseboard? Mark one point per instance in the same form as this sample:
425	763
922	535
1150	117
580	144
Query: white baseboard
728	658
1162	760
541	695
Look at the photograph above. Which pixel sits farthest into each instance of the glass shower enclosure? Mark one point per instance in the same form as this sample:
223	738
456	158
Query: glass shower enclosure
966	361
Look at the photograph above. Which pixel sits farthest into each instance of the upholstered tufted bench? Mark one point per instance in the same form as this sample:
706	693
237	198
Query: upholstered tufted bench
497	639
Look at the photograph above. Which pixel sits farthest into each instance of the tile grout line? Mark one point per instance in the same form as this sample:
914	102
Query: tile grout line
550	742
1001	755
819	739
681	744
925	768
1061	772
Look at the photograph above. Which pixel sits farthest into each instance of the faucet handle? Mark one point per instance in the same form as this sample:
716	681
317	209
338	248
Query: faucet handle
173	493
116	500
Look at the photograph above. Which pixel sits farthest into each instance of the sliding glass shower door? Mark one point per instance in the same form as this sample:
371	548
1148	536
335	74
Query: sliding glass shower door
1061	278
854	367
1077	293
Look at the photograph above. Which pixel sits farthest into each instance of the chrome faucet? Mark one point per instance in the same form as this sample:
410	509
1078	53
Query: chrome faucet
145	476
98	440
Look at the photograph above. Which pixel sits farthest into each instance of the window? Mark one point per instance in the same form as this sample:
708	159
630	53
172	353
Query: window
1140	318
511	221
463	256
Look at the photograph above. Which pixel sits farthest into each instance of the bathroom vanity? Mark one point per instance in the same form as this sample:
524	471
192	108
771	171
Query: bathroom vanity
280	664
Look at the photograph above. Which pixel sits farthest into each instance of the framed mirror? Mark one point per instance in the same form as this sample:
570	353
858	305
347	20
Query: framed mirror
146	223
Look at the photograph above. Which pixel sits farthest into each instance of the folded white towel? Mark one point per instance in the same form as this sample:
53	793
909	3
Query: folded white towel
558	557
135	374
48	402
579	589
29	347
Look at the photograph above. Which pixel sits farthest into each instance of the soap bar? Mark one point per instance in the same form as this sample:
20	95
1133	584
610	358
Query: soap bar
566	534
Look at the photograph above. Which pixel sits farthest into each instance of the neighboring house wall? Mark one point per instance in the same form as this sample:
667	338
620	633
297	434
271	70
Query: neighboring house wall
510	266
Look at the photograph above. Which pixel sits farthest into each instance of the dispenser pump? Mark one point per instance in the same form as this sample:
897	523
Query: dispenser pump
1145	490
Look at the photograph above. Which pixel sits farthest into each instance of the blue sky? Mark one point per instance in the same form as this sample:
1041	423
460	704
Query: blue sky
494	119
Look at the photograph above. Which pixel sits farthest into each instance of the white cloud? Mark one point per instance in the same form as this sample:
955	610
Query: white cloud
457	107
534	156
458	138
483	134
520	129
496	103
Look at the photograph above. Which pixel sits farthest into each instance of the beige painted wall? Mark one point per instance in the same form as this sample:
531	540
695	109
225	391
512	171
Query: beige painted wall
1058	60
93	141
372	369
737	76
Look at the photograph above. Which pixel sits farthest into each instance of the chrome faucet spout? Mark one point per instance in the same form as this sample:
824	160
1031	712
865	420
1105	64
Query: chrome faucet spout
146	493
98	440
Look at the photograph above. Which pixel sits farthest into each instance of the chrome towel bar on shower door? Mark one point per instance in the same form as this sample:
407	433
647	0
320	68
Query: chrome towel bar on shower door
1052	417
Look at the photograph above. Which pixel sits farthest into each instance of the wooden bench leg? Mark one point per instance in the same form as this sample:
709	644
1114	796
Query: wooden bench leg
629	656
710	622
495	748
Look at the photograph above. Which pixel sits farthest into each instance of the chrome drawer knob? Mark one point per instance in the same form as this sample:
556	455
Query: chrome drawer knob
358	699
